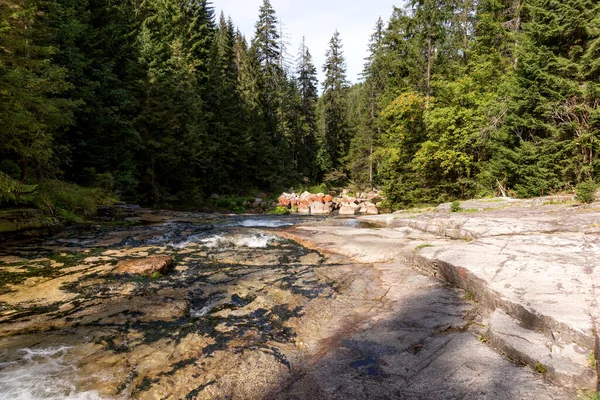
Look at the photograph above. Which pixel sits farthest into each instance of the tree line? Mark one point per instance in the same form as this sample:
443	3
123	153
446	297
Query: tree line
164	103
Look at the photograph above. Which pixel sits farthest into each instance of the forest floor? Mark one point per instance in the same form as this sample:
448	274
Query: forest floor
292	307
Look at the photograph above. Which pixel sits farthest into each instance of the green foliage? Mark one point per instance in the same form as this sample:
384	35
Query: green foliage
235	204
163	104
280	210
591	359
156	275
333	107
585	192
423	246
12	191
588	395
320	188
455	206
69	201
32	88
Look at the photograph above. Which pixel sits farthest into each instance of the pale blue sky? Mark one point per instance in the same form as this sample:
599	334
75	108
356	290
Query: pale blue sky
317	20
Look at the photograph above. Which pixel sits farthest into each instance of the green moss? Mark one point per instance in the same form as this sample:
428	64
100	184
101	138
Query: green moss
156	275
423	246
588	395
592	361
541	368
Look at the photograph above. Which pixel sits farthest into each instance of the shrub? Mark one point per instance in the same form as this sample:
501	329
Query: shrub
455	206
70	201
236	204
280	210
14	191
585	192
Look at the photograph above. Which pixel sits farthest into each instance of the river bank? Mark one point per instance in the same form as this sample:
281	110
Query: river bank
254	307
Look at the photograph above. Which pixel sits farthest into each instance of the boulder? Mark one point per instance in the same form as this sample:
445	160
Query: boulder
327	198
354	206
347	210
372	210
145	266
318	208
303	208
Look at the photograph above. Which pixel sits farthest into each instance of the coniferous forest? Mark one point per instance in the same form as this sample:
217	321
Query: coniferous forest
163	102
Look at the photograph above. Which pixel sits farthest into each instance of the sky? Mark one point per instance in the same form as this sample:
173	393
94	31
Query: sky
317	20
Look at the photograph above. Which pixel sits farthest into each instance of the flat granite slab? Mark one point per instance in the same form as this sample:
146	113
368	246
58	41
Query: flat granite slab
537	261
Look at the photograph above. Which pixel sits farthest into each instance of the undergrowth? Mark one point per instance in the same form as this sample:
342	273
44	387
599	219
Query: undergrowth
70	202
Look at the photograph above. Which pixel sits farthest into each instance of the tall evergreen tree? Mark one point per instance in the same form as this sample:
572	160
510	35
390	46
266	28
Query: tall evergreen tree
554	108
361	158
230	137
171	122
97	49
334	125
32	106
306	73
267	46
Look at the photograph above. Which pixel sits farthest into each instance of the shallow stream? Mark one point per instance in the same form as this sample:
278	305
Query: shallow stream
240	308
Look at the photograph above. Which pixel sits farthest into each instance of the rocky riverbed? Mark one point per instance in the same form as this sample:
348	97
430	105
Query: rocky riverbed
252	308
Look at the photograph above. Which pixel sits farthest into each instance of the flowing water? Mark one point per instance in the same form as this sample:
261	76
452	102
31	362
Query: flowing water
241	307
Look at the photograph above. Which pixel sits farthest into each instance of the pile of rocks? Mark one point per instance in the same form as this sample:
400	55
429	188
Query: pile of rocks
325	204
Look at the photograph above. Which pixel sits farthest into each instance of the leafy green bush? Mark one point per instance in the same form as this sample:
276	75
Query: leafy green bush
14	191
314	189
238	205
585	192
455	206
280	210
69	201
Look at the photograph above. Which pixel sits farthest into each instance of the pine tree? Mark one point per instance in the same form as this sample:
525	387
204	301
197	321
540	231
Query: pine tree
553	110
361	158
97	49
307	87
230	137
429	19
172	121
266	45
33	108
335	130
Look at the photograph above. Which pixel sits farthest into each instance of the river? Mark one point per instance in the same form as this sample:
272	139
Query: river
255	307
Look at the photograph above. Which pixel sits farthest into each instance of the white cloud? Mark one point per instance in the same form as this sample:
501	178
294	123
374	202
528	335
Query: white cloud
317	20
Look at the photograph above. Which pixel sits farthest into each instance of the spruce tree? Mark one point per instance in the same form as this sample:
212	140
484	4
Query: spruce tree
230	136
361	158
33	107
97	47
335	131
553	110
307	82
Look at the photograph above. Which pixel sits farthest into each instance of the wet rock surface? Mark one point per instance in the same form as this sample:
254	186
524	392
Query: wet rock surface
252	308
147	266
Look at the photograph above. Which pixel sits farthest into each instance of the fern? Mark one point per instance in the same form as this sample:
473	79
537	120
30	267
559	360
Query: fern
14	191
